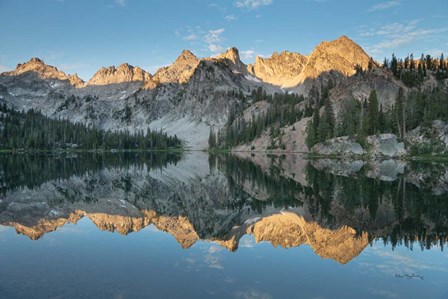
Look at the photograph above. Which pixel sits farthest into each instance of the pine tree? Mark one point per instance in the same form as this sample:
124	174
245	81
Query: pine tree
311	139
212	139
372	114
371	64
394	65
442	63
331	120
399	112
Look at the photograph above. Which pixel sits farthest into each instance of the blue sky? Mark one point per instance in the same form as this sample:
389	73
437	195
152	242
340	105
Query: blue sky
80	36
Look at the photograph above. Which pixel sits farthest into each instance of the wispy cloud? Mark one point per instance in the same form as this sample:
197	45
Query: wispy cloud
230	18
252	294
213	40
407	38
210	40
391	263
250	54
252	4
213	259
395	35
247	242
247	54
191	37
121	3
217	6
384	5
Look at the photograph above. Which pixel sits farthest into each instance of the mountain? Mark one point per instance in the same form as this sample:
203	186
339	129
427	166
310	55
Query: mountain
180	71
340	56
194	96
290	70
280	69
124	73
232	58
44	71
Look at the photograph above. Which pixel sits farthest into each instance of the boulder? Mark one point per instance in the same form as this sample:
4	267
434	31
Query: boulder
386	145
340	146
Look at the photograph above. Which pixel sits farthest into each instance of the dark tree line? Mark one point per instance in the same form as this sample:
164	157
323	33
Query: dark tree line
34	170
413	206
412	71
33	131
283	110
363	118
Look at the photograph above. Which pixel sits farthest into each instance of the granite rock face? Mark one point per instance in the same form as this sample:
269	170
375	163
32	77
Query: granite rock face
44	71
180	71
279	69
377	146
386	145
124	73
340	146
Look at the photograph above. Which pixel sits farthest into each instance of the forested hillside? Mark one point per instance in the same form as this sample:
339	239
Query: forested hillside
33	131
421	98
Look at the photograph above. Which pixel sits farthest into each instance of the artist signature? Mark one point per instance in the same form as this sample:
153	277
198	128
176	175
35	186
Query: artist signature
409	276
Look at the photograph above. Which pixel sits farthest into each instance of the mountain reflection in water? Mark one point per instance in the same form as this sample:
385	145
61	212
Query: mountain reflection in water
336	207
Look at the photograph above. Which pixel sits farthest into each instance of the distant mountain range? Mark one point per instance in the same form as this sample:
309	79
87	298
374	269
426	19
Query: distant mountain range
193	97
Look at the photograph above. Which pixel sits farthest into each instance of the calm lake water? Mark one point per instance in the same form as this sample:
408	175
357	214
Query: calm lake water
221	226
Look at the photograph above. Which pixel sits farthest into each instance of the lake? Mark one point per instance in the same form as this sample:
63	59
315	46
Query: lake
194	225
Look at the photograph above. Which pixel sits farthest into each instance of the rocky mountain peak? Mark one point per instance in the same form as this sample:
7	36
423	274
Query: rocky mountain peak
186	55
180	71
76	81
232	58
340	55
231	54
44	71
124	73
35	60
279	69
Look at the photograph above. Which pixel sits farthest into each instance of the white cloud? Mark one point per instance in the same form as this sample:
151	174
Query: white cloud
218	7
252	4
213	259
394	42
395	35
216	49
213	40
210	40
247	242
252	294
230	18
214	36
121	3
384	5
247	54
191	37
